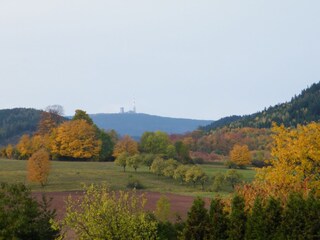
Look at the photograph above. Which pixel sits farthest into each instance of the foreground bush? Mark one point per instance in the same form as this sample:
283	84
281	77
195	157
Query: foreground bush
104	214
21	217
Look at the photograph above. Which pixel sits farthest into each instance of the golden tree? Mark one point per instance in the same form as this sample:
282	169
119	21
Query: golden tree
9	151
240	155
295	166
75	139
39	167
296	157
39	142
126	144
24	147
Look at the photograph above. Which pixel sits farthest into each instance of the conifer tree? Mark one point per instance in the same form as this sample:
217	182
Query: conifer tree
197	223
237	219
273	216
312	228
218	220
255	226
294	217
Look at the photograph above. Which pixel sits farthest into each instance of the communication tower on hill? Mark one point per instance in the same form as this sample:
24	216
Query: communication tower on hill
134	107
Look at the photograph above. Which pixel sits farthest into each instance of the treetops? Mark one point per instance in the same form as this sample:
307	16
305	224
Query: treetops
79	138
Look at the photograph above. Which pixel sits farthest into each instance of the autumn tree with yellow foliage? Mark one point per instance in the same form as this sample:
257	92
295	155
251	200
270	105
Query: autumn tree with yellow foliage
75	139
24	147
294	167
126	145
28	145
39	167
240	155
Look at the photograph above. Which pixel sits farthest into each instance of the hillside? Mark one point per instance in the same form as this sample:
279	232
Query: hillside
135	124
16	122
302	109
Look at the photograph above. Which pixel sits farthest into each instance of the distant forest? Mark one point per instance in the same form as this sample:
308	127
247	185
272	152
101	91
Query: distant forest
16	122
302	109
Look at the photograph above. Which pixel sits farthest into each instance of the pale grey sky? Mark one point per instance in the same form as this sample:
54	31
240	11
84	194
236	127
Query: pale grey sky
202	59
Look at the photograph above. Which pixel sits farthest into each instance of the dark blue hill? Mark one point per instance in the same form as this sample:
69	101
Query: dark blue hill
135	124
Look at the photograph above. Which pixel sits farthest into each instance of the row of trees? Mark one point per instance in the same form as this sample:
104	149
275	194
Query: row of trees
153	143
164	167
298	219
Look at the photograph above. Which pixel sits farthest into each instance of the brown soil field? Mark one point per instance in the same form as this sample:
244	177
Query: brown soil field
179	204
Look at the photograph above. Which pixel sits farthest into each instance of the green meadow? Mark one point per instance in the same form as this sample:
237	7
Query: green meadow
71	176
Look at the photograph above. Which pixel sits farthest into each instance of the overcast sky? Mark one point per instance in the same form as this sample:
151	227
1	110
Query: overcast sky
201	59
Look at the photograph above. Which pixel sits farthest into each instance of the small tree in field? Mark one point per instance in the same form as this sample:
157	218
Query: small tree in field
157	166
233	177
121	160
134	161
39	167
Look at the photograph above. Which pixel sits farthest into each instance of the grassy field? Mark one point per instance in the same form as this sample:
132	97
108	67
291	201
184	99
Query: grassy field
69	176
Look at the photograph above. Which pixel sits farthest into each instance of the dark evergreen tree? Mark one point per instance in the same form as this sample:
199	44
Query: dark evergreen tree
255	226
197	223
21	217
294	218
312	218
273	216
218	220
237	219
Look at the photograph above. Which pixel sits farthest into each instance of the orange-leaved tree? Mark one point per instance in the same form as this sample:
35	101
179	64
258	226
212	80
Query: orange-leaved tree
39	167
240	155
126	144
75	139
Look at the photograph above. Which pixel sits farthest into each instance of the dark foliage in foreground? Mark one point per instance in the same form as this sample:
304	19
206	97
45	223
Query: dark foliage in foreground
22	217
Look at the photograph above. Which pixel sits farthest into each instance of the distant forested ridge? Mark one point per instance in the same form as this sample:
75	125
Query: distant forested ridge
16	122
135	124
302	109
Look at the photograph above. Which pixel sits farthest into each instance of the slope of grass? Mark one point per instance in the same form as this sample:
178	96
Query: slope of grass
70	176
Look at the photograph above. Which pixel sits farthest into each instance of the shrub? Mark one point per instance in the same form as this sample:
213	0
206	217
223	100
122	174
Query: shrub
134	183
104	214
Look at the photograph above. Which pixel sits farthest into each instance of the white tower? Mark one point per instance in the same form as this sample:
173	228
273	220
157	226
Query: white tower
134	106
